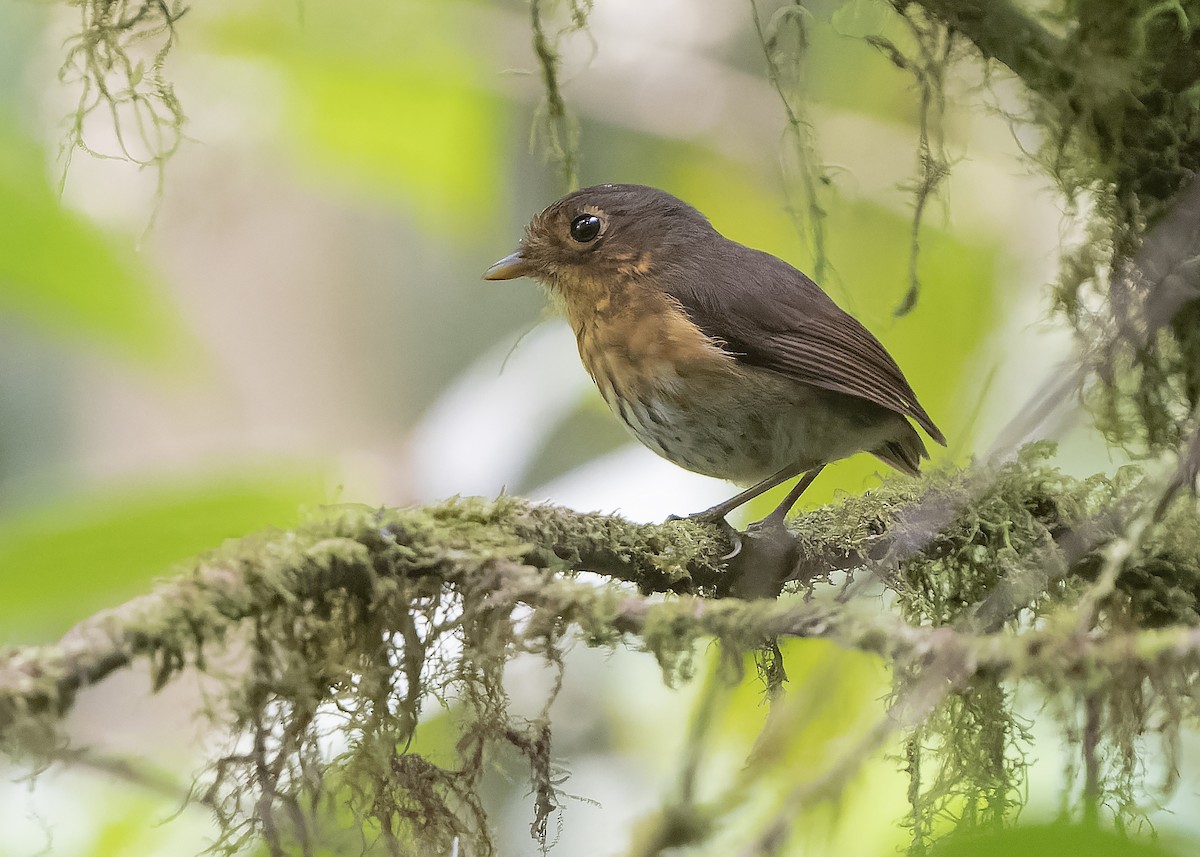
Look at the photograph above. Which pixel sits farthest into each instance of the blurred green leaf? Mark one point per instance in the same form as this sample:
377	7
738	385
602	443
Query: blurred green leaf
832	696
761	752
846	71
83	813
128	826
438	734
391	99
63	561
859	18
67	277
1052	840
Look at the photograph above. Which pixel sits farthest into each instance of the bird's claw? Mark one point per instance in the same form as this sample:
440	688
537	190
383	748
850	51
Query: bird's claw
728	530
735	538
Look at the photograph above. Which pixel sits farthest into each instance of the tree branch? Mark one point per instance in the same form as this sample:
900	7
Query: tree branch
1002	31
510	552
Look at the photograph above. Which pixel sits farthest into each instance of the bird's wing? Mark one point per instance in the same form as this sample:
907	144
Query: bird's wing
769	314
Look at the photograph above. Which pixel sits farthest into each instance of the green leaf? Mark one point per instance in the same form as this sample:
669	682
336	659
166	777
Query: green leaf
63	561
859	18
391	100
63	275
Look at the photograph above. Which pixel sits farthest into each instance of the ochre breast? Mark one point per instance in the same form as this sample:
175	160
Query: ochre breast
650	362
632	336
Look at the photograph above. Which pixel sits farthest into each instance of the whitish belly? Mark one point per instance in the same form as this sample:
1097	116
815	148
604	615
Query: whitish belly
742	427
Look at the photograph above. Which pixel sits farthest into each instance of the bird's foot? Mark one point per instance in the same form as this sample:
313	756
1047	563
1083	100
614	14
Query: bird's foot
762	557
712	517
770	555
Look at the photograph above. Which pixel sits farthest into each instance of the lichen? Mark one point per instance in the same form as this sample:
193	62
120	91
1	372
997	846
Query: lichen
555	128
1022	554
784	39
371	701
1122	135
116	60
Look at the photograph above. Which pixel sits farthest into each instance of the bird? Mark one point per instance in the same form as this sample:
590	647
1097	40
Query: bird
723	359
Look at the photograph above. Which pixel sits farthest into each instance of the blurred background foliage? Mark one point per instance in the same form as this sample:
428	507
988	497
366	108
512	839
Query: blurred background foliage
290	314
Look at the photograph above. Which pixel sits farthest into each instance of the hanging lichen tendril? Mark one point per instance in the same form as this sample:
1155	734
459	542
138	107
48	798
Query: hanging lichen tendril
117	58
1122	132
933	48
784	42
555	128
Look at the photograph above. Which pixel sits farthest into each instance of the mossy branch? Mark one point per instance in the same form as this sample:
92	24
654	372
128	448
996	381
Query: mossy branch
341	551
354	611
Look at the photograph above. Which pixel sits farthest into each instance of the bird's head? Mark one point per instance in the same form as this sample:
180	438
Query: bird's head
603	232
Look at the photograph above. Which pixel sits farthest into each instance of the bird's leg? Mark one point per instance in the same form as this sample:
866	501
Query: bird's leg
770	551
718	512
790	500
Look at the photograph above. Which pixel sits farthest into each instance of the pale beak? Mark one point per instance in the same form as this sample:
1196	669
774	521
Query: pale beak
509	268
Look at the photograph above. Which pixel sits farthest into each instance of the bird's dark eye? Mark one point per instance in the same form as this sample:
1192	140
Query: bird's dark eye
585	228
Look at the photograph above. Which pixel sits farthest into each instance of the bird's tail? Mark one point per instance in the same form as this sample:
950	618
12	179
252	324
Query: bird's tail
905	452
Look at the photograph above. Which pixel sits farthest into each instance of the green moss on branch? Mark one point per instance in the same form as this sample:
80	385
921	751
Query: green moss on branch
371	613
